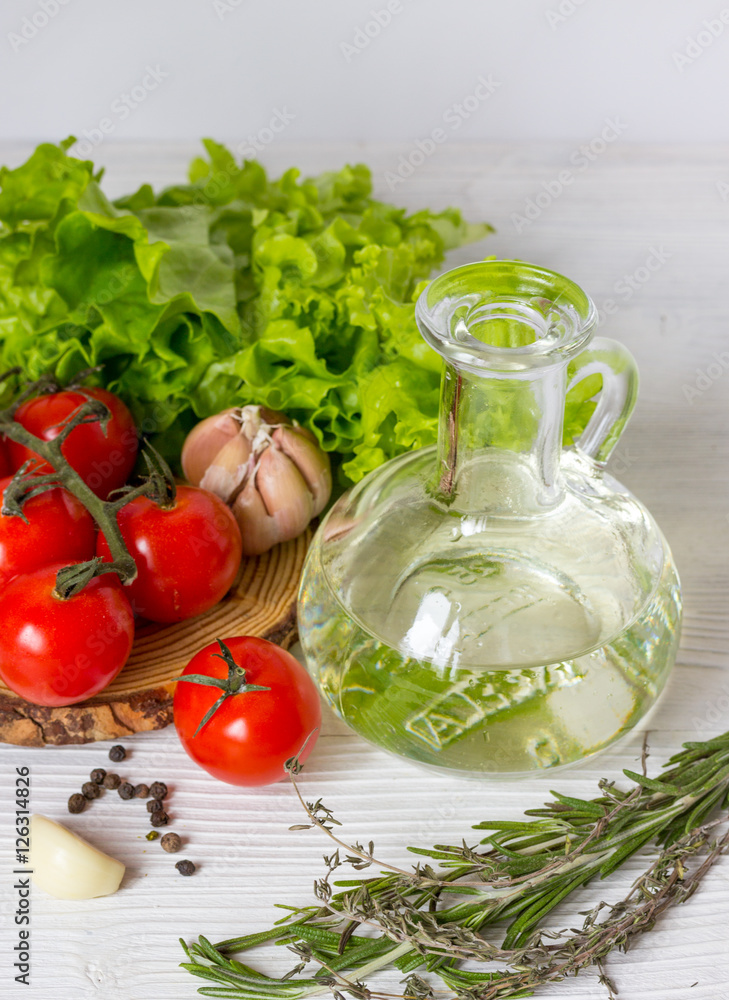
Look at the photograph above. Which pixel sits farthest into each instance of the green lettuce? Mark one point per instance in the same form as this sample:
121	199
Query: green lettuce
230	289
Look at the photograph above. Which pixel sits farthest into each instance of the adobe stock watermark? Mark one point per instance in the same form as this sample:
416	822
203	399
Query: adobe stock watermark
715	710
454	117
35	22
705	377
247	148
626	286
562	12
223	7
119	110
580	159
371	29
722	189
85	313
438	820
697	44
118	281
257	142
621	460
21	886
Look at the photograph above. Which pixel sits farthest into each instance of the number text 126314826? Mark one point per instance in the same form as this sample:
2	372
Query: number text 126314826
22	874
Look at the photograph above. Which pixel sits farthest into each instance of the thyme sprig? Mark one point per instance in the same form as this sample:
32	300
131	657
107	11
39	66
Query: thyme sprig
434	918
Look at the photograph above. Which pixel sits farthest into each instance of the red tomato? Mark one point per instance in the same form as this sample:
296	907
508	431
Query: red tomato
250	737
58	529
55	652
104	461
187	557
5	468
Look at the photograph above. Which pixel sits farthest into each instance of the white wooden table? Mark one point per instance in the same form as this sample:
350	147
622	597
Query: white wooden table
630	204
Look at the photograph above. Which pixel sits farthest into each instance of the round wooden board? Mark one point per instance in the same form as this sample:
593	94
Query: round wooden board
262	602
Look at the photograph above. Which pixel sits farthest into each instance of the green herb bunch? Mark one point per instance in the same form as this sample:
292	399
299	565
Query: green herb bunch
452	908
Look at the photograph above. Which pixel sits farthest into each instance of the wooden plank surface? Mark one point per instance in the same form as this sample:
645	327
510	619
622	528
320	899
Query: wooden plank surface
631	202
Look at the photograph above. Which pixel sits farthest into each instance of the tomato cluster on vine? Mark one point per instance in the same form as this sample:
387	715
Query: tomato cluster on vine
57	649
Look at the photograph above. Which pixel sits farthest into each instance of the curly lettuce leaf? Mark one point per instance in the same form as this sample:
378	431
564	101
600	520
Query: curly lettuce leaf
230	289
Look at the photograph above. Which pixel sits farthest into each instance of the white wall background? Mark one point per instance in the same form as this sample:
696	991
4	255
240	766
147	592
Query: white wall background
225	67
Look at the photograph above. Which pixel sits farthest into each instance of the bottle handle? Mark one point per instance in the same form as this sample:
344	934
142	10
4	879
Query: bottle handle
615	403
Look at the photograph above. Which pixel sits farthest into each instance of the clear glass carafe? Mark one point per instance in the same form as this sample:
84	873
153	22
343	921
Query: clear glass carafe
498	604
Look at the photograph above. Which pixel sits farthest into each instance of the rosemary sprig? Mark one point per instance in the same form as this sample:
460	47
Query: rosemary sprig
433	919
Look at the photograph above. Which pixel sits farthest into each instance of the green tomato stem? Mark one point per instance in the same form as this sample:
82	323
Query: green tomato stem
159	488
234	683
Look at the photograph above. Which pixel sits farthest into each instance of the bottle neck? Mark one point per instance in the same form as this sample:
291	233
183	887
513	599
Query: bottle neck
500	440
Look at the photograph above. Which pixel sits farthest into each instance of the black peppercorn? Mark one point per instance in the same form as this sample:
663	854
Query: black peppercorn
141	791
117	753
126	791
77	803
171	843
111	781
90	790
159	818
97	775
158	790
185	867
154	805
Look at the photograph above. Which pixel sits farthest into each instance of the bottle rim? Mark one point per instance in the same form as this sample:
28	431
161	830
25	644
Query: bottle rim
505	316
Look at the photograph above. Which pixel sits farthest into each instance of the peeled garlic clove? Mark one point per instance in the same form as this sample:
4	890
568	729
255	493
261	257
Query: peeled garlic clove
204	441
227	470
258	530
284	492
66	866
310	460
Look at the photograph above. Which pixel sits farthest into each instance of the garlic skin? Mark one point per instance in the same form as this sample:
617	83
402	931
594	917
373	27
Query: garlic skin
66	866
229	466
205	440
271	472
286	506
303	450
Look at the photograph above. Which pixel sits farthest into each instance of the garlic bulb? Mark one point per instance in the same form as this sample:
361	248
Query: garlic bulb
271	472
66	866
204	440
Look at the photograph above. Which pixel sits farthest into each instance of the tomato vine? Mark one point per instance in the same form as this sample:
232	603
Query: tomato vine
158	486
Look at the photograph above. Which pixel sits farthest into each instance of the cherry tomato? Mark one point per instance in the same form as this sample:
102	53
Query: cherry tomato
250	737
5	468
104	461
57	529
187	557
55	652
